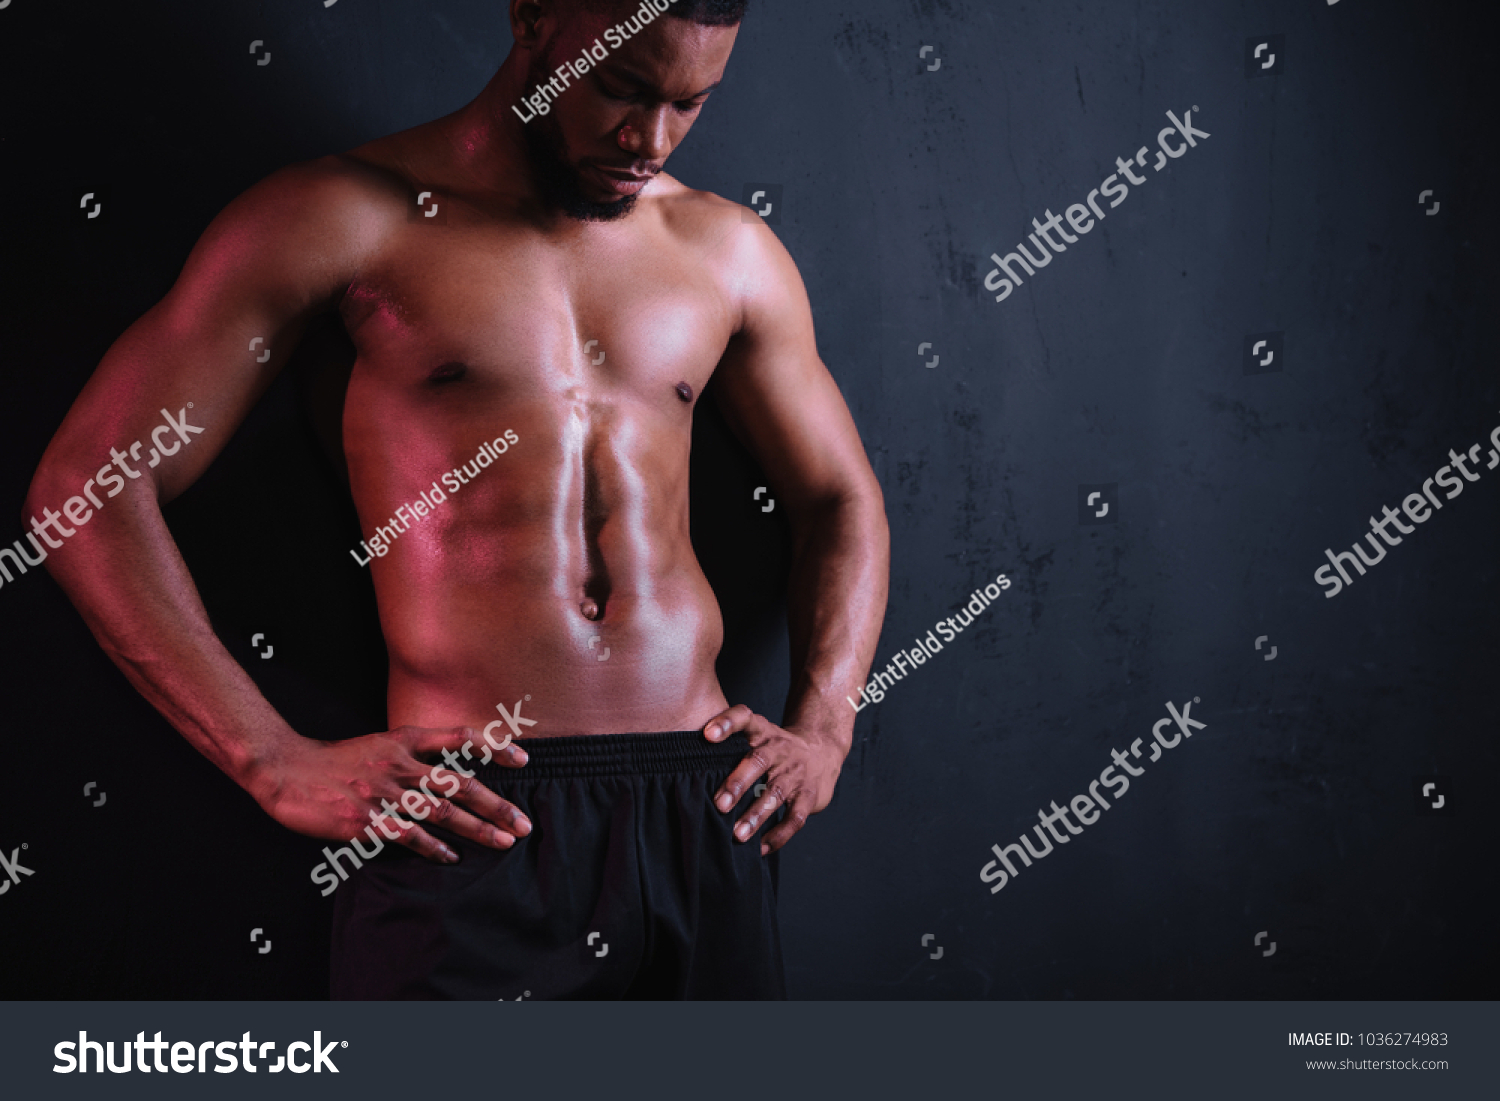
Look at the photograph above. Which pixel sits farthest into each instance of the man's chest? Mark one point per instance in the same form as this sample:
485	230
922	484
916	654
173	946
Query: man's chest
523	318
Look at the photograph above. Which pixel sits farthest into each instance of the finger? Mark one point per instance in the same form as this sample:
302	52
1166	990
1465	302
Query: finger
498	745
483	802
430	741
751	768
759	811
725	723
782	832
472	743
513	757
459	821
422	843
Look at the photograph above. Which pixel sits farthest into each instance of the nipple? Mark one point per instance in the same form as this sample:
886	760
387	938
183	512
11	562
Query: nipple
684	391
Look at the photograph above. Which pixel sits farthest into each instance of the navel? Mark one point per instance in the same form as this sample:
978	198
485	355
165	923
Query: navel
448	372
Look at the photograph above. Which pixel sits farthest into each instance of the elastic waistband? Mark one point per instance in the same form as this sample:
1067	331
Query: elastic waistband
591	755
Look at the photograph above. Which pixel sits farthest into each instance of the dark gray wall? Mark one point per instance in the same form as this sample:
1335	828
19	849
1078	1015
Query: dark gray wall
1293	812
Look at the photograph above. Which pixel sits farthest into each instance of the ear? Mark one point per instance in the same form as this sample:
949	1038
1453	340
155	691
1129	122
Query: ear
526	19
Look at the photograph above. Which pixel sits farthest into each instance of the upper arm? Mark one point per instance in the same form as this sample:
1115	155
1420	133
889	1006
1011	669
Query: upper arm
276	256
775	390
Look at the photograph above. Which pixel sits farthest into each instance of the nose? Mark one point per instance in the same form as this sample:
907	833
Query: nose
645	136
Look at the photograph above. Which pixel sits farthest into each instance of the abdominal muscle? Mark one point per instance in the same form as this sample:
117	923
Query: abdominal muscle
561	577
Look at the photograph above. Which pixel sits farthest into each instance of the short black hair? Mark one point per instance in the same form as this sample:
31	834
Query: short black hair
710	13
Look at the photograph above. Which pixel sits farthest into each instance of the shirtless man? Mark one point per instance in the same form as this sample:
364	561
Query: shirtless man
613	827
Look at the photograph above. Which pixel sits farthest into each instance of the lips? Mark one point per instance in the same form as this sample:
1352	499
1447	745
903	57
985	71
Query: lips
621	181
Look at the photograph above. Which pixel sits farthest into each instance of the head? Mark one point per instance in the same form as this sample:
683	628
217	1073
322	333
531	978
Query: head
613	128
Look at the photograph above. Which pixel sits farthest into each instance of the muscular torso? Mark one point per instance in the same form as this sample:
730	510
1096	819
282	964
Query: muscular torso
476	324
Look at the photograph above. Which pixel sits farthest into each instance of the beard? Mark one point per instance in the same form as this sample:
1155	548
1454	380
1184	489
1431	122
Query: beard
559	181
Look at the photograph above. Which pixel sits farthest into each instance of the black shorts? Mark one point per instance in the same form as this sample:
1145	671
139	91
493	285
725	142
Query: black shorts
630	885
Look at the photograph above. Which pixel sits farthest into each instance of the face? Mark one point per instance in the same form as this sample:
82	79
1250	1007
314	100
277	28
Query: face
614	129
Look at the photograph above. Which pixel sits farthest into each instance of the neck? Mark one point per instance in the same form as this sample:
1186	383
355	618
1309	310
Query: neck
486	136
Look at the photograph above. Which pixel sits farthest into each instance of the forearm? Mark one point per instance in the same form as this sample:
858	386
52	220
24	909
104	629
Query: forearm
126	577
836	605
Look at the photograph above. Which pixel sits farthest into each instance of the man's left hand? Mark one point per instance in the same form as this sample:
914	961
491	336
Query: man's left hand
800	771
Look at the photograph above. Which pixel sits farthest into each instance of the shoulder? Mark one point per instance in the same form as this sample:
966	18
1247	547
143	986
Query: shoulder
351	195
337	205
343	191
295	239
730	237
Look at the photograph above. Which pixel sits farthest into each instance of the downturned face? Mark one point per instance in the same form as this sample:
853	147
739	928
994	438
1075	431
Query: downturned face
615	125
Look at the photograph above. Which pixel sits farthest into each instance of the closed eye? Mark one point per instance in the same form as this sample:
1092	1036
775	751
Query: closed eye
684	106
610	93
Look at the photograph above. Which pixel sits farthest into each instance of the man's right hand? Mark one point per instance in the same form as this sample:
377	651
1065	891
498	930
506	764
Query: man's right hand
334	790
